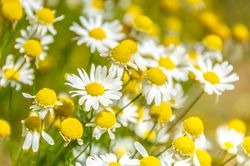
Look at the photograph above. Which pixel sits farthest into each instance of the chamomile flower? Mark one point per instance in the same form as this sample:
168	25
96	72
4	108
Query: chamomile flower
162	113
44	101
101	88
97	34
71	129
229	139
125	55
110	160
143	24
43	20
93	7
131	12
172	62
32	44
122	146
12	10
146	160
5	129
216	78
31	6
178	99
243	157
14	74
155	86
202	158
104	121
32	131
129	114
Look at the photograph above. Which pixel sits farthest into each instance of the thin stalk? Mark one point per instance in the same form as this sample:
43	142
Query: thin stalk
86	147
91	133
19	157
10	103
138	96
228	160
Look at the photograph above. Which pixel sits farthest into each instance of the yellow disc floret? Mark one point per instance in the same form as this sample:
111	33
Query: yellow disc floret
211	77
143	23
213	42
246	145
241	32
32	48
114	164
12	74
156	76
238	125
167	63
71	128
131	45
228	145
105	119
184	145
99	4
45	16
46	97
95	89
193	126
162	113
5	129
97	33
121	54
33	123
150	161
204	158
66	109
12	10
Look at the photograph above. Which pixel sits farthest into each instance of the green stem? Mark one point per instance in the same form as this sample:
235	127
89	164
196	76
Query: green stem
86	147
19	157
10	103
91	133
228	160
138	96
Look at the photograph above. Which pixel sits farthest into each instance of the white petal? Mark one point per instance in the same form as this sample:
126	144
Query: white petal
47	138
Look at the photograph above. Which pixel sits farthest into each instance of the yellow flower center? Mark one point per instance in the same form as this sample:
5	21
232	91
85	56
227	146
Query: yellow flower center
105	119
95	89
114	164
171	40
121	151
33	123
241	32
156	76
193	126
32	48
204	158
5	128
211	77
149	134
46	97
150	161
66	109
246	145
131	45
228	145
192	55
167	63
136	75
140	112
237	125
12	10
12	74
71	128
162	113
45	16
97	33
213	42
143	23
121	54
184	145
99	4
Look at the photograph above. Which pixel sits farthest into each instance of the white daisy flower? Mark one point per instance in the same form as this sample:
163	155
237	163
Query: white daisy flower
31	6
122	146
178	99
100	88
14	74
229	139
167	159
111	159
125	55
216	78
43	20
32	131
92	8
96	34
146	158
44	101
172	62
32	44
104	121
129	114
155	86
243	155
